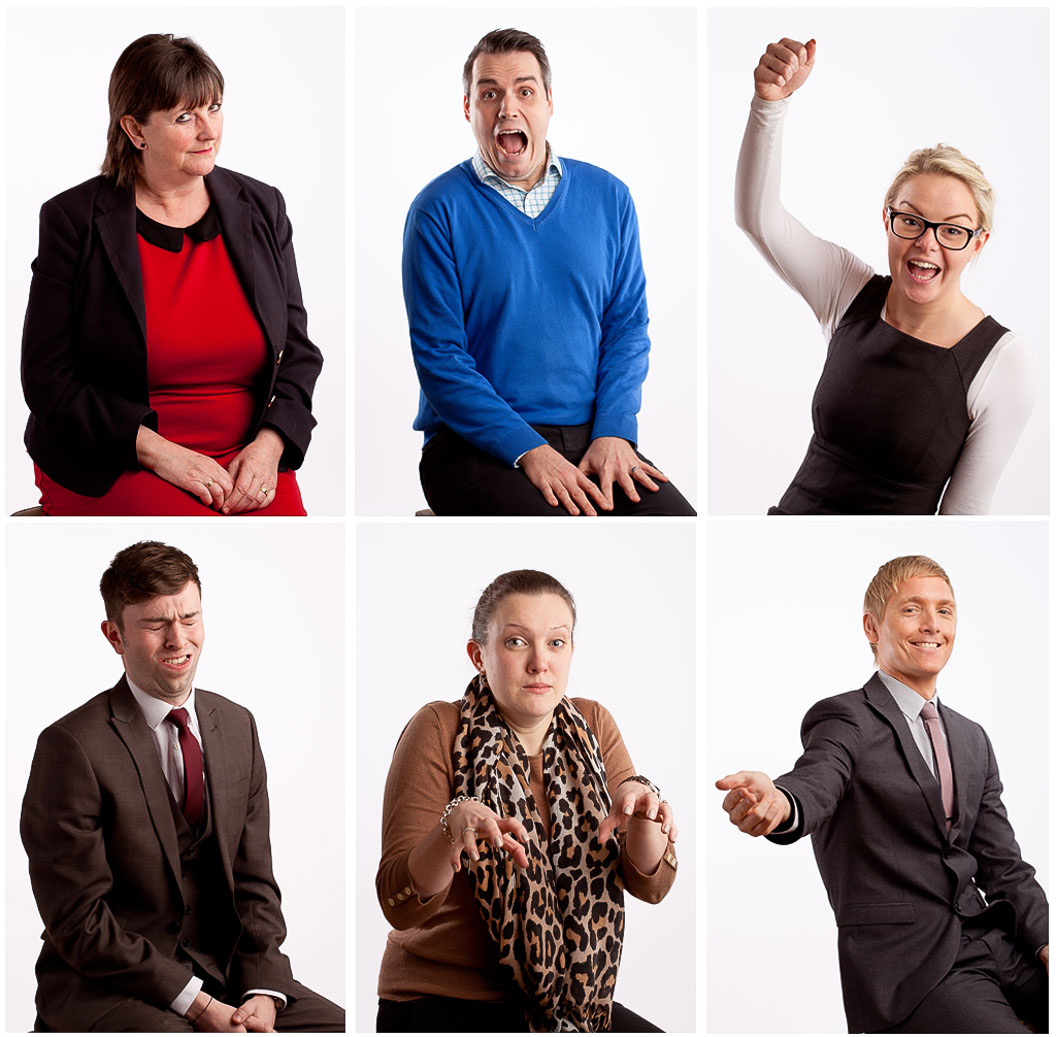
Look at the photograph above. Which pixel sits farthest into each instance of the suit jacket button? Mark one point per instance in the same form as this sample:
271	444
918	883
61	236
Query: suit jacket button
173	927
184	942
187	909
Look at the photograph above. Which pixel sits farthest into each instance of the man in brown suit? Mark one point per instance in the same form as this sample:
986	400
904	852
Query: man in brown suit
146	825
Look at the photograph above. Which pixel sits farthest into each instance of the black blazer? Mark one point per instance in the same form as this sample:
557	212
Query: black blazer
84	354
900	886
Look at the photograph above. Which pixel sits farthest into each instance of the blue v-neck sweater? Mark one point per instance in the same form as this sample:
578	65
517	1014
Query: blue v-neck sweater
518	322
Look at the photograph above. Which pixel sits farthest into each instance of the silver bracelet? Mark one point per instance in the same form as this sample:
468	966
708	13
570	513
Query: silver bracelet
642	781
445	826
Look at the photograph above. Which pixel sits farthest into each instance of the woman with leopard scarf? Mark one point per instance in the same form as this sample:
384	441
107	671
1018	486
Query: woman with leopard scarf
513	821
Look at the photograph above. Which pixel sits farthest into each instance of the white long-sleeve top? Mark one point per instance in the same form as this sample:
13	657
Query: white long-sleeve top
1000	396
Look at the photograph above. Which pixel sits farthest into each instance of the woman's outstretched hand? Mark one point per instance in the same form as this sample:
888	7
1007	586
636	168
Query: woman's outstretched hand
635	800
784	68
472	823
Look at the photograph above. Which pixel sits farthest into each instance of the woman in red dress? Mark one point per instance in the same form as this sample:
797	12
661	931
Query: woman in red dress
165	357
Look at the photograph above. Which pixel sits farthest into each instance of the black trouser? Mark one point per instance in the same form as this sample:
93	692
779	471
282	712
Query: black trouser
460	479
306	1012
454	1014
993	987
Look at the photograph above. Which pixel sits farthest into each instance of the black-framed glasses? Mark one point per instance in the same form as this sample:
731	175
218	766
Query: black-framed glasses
949	235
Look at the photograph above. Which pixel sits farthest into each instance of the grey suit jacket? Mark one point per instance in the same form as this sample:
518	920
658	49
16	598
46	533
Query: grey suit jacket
104	860
900	886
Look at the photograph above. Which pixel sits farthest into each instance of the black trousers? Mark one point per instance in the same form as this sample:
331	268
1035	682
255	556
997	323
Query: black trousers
460	479
993	987
306	1012
453	1015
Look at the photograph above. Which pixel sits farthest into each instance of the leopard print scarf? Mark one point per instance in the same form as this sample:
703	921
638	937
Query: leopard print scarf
558	925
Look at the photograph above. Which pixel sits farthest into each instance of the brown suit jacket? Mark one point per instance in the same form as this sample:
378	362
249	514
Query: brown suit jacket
104	860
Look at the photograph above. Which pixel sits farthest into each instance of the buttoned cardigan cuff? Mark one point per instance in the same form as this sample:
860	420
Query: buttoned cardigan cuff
185	998
625	426
513	445
400	900
650	889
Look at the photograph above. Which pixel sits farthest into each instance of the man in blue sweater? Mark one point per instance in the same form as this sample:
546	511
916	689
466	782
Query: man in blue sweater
525	297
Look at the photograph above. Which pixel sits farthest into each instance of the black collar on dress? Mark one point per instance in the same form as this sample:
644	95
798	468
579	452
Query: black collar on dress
171	238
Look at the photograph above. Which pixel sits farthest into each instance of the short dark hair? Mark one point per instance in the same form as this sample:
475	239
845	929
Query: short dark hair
506	41
155	73
520	581
144	571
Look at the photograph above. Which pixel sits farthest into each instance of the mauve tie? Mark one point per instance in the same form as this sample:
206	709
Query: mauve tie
193	787
930	715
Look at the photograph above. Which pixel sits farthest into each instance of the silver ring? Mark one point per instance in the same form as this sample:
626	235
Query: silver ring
634	468
469	829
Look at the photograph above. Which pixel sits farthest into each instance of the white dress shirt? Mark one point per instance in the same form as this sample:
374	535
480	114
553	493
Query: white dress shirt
167	740
911	703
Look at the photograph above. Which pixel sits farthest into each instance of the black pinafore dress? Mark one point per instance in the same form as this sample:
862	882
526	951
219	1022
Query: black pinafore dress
890	416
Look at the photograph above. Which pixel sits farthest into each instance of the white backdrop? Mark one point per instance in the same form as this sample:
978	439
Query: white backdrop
634	652
976	78
275	635
625	89
284	123
784	629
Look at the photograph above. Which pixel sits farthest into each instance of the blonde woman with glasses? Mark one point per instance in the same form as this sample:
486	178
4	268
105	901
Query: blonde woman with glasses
923	396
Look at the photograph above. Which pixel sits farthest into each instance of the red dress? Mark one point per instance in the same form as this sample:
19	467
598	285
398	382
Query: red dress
207	365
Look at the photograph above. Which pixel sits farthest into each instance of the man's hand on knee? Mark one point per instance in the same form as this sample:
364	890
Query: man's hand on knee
209	1015
562	483
613	459
257	1014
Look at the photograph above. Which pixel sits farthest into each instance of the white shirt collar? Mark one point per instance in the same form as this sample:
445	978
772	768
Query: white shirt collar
907	700
156	710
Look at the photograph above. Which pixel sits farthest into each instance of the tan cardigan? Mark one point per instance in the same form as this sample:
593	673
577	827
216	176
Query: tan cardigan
441	945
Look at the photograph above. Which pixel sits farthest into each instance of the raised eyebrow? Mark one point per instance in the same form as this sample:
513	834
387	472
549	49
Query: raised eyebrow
957	216
494	82
517	626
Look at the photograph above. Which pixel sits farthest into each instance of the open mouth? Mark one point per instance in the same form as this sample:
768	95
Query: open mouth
512	142
929	646
922	271
177	662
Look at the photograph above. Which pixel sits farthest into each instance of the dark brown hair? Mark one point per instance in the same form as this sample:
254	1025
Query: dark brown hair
507	41
144	571
520	581
153	74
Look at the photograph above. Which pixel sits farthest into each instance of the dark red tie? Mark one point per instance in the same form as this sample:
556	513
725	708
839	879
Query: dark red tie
193	787
930	716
